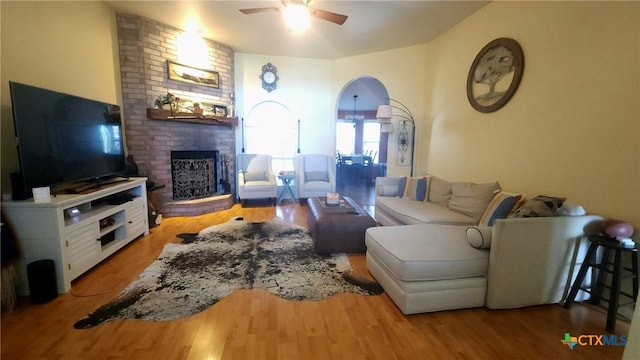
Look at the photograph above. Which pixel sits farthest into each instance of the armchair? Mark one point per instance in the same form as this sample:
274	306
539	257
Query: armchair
315	175
255	178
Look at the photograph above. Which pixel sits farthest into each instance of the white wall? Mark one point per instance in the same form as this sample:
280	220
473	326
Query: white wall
69	47
304	88
572	128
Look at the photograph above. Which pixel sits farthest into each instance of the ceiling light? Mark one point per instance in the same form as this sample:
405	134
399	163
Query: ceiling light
355	115
192	50
296	17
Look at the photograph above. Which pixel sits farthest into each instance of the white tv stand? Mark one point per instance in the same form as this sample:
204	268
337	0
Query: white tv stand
78	231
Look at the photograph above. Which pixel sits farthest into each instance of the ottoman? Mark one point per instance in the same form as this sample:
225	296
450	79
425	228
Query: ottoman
426	268
335	230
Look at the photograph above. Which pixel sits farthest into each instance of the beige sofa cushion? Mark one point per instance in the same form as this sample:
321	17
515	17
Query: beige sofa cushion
419	212
426	252
472	199
439	191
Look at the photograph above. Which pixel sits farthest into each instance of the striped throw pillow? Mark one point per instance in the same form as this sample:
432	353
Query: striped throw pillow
416	188
500	207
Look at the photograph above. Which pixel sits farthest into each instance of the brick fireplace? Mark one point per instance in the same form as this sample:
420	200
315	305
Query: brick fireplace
145	46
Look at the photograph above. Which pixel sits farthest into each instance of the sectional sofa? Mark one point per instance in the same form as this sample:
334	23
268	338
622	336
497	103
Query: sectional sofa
447	245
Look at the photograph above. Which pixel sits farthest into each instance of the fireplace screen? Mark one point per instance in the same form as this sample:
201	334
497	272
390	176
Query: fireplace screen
194	174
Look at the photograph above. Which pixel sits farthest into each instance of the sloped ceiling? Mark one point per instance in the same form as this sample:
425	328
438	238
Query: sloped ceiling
371	25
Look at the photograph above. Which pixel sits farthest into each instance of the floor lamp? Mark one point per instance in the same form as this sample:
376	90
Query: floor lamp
384	115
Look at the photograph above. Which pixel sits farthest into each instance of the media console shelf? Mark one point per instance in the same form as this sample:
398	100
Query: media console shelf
78	231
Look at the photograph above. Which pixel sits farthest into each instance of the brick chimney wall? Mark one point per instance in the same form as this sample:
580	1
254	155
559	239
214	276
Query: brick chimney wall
145	46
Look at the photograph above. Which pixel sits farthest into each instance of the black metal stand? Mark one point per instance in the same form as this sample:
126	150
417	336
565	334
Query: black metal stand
243	135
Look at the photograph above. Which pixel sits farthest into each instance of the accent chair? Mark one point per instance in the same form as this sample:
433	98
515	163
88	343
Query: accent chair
256	179
315	175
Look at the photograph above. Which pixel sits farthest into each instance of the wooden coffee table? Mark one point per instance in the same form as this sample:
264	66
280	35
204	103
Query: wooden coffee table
336	230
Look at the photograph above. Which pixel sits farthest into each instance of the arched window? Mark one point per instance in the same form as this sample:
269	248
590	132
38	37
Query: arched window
271	128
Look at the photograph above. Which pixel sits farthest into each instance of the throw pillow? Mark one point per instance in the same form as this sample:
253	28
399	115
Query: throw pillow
568	209
439	191
479	237
416	188
387	190
500	207
316	176
255	176
539	206
472	199
401	185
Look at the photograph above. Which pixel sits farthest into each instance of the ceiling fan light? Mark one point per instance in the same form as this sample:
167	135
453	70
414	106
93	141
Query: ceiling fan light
296	17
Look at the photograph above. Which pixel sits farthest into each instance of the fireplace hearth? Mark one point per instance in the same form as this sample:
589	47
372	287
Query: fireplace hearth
200	184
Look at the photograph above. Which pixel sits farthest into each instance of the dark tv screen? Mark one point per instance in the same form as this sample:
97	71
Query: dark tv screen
64	138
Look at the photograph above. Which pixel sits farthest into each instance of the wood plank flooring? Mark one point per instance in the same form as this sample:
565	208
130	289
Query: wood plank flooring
254	324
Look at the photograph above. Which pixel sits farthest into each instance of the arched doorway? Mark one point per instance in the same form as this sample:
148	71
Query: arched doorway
361	147
357	129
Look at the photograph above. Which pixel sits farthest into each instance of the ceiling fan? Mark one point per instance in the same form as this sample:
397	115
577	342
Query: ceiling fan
322	14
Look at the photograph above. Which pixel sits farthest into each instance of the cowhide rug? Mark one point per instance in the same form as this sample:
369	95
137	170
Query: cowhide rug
191	276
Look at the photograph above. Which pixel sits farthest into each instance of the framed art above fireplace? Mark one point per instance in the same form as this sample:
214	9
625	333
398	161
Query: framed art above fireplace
193	75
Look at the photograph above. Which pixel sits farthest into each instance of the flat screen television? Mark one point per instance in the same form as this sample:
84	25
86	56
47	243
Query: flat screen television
63	138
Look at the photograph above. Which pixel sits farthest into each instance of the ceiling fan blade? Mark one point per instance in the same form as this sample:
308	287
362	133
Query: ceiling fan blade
258	10
329	16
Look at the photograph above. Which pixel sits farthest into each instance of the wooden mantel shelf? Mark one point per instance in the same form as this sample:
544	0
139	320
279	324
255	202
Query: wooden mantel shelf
168	115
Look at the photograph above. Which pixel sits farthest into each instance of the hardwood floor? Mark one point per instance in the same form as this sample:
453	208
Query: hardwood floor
363	194
254	324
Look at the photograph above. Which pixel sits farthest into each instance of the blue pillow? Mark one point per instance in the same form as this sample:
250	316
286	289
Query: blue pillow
401	185
416	189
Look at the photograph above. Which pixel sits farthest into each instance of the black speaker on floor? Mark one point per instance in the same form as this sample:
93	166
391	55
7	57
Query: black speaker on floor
43	286
17	187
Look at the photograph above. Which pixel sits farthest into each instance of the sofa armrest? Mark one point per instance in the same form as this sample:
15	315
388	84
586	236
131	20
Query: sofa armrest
534	261
387	185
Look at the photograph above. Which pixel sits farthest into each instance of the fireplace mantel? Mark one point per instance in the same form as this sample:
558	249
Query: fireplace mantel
168	115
